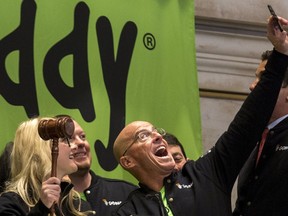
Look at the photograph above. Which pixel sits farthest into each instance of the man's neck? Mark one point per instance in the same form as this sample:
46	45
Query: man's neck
81	180
154	183
156	186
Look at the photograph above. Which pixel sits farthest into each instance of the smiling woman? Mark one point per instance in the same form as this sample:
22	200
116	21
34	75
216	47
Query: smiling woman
30	164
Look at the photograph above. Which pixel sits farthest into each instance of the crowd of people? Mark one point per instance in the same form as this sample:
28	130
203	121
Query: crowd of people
169	182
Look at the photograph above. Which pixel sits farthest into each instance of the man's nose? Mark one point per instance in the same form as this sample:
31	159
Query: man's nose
177	167
156	137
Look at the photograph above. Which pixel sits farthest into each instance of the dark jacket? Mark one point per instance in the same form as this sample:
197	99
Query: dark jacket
12	204
263	190
203	187
105	195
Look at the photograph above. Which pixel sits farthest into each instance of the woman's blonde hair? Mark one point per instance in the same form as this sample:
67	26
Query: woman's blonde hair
31	163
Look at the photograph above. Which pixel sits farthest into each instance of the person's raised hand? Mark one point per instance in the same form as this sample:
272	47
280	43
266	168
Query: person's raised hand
277	38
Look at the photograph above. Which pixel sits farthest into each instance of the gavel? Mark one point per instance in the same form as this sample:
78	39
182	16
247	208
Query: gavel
61	127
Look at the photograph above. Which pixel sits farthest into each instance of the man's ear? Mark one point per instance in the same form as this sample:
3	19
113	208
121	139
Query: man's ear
126	162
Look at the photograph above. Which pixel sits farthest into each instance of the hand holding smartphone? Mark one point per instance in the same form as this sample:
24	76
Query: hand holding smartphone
275	18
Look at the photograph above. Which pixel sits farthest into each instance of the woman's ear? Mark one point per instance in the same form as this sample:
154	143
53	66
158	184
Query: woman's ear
126	162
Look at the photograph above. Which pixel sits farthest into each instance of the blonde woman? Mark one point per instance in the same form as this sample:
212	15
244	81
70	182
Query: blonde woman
31	190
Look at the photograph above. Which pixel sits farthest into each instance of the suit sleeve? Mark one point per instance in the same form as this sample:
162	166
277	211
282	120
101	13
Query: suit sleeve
223	163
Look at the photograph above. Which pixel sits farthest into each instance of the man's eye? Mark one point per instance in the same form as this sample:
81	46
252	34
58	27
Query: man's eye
144	135
178	159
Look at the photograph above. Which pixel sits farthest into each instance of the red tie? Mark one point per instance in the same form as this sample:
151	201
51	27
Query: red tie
263	139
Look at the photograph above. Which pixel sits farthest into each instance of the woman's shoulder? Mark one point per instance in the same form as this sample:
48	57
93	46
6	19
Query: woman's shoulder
12	204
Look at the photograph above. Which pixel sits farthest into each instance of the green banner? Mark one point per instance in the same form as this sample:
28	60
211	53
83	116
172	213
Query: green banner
104	62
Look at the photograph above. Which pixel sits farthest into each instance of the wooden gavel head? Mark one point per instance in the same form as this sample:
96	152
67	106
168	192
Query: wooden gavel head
61	127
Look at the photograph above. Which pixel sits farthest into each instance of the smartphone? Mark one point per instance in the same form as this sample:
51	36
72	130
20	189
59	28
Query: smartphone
275	18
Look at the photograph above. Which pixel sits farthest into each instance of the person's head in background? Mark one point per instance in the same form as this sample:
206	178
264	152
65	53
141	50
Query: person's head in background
260	69
281	107
177	150
5	165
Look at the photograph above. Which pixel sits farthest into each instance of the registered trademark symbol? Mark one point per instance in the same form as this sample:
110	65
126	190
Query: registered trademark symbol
149	41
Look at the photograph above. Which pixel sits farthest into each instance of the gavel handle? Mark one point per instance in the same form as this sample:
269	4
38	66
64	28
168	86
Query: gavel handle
54	154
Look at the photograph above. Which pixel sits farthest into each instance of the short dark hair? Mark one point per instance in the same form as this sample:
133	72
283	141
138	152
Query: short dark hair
265	56
172	140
